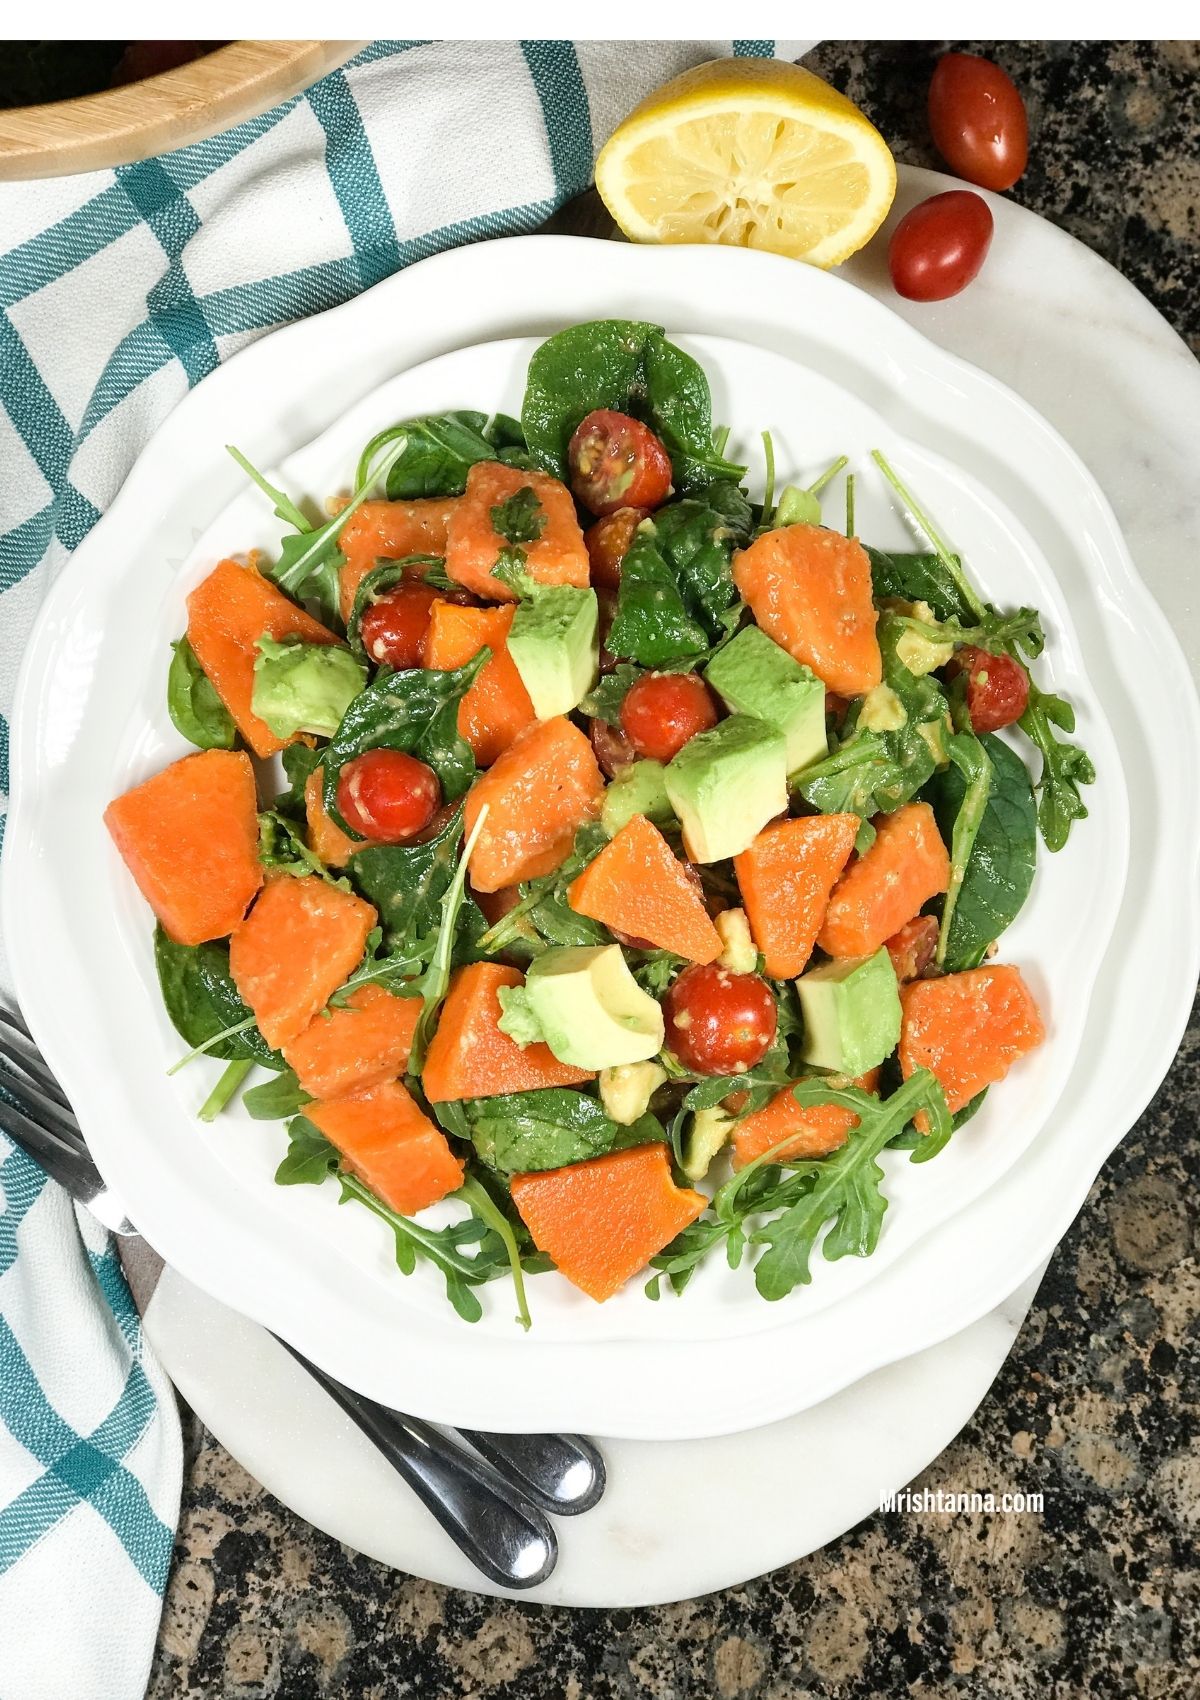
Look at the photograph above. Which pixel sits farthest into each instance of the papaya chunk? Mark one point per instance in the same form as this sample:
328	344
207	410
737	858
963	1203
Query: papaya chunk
388	1142
905	866
539	792
785	878
227	614
810	590
637	885
473	545
497	706
189	837
818	1130
604	1219
301	940
968	1029
469	1057
388	531
326	839
360	1045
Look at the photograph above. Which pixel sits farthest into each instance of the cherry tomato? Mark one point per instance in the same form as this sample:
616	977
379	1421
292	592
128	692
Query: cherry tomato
978	120
393	628
997	688
388	796
938	247
612	748
617	462
913	947
718	1022
608	544
663	710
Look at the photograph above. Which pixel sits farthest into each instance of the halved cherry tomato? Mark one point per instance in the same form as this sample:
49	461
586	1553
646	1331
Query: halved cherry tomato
913	947
612	748
388	796
938	247
661	711
978	120
394	628
997	688
617	462
718	1022
608	544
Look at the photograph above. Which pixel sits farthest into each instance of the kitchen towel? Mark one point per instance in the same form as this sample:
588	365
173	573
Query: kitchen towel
119	290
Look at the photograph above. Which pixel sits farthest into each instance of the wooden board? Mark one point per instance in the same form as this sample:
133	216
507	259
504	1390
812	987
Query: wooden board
125	124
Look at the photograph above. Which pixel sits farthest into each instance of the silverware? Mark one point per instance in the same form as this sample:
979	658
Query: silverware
490	1501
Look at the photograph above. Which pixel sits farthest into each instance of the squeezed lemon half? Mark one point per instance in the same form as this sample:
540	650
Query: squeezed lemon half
754	153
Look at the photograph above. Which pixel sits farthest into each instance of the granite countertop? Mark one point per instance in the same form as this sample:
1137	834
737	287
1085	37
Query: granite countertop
1099	1404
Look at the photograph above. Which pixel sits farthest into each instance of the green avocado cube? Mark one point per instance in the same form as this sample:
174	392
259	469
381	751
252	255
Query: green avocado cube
638	789
851	1011
725	785
754	675
555	645
304	687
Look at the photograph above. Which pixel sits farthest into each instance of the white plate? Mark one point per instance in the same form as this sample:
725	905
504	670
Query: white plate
210	1226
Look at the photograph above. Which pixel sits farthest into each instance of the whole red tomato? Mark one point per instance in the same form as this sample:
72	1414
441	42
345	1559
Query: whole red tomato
978	120
938	248
388	796
663	711
617	462
718	1022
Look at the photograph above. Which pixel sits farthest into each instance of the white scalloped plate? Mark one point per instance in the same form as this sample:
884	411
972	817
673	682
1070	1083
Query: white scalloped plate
91	719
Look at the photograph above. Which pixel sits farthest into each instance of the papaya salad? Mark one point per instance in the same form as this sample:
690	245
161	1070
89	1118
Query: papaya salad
635	870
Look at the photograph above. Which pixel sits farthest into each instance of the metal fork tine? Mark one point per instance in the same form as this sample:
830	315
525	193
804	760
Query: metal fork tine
61	1160
16	1046
40	1105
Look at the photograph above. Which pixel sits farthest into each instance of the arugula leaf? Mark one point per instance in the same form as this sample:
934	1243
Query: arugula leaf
521	518
970	761
282	848
627	365
542	911
1000	870
299	760
202	1001
527	1132
407	882
1065	766
196	710
384	576
652	624
415	711
310	1157
431	455
276	1100
433	984
603	701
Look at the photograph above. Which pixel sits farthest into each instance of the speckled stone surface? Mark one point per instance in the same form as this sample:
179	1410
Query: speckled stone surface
1098	1406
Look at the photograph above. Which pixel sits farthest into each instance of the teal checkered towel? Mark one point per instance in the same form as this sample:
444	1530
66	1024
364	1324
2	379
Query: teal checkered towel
119	290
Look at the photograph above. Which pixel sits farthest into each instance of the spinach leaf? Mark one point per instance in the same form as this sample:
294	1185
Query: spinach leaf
627	365
1000	870
521	518
505	432
193	704
697	538
406	883
969	761
299	760
909	576
604	701
525	1132
432	455
652	624
542	911
433	984
1065	766
384	576
202	1001
282	848
276	1100
415	711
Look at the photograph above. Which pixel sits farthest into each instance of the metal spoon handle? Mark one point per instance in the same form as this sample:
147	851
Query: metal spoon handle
563	1473
500	1531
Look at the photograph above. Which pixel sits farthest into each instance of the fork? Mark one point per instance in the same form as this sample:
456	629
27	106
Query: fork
490	1501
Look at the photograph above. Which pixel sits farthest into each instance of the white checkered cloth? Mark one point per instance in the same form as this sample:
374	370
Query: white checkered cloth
118	291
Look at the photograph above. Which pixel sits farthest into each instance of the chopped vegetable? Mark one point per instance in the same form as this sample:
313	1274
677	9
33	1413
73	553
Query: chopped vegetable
905	866
300	941
471	1057
638	886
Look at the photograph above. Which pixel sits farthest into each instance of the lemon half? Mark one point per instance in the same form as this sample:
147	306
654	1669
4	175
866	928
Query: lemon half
755	153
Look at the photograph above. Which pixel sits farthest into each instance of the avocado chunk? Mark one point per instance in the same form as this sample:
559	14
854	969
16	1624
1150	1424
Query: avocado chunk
753	675
591	1009
706	1133
626	1090
554	641
851	1010
725	785
304	687
638	789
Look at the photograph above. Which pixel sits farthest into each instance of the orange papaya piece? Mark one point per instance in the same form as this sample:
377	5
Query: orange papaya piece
326	839
388	531
473	545
905	866
603	1220
818	1130
638	886
469	1057
539	792
301	940
968	1029
387	1140
810	590
497	706
785	878
227	614
360	1045
189	837
913	947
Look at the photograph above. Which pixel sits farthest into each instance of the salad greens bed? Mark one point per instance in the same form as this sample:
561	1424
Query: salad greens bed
677	607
